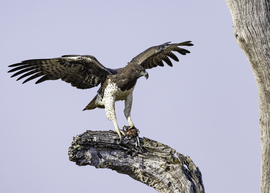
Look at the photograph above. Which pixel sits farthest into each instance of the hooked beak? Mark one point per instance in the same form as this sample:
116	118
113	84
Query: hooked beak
146	75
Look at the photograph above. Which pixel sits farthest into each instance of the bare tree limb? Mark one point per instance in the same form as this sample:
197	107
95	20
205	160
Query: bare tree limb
153	163
251	24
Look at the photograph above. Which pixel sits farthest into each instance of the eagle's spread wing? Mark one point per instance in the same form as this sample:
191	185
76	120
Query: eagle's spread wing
153	56
82	71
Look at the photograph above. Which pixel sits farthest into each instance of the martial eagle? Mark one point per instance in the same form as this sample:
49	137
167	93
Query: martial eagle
85	71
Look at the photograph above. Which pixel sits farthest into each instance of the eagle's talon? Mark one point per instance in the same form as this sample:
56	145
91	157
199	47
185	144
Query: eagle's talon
138	142
119	132
122	132
119	142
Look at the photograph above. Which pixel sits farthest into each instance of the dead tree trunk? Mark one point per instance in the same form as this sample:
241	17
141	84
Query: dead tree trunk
251	24
153	163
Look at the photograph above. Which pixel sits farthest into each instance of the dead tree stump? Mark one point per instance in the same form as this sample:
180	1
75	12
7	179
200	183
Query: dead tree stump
153	163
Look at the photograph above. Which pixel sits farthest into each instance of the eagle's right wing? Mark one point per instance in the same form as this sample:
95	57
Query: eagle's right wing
82	71
153	56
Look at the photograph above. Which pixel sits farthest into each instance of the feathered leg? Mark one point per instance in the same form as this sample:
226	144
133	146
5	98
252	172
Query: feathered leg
128	105
110	113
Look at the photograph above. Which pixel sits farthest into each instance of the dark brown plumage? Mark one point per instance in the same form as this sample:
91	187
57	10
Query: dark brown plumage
85	71
153	56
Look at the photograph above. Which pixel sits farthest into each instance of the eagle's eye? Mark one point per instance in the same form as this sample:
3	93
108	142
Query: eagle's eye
139	70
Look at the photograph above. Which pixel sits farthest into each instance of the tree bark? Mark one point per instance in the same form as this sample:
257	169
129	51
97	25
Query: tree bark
252	33
152	163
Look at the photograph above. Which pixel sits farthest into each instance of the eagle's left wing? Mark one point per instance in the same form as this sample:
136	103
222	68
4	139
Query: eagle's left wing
154	56
82	71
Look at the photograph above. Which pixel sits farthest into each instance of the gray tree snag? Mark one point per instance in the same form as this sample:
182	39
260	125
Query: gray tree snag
152	163
251	24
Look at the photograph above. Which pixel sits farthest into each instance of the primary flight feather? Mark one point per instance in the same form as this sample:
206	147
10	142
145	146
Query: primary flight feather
85	71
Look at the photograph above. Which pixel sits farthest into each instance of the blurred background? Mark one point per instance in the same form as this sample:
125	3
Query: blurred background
206	106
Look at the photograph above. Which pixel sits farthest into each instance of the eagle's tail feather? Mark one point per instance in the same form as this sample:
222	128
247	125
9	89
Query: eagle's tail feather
93	105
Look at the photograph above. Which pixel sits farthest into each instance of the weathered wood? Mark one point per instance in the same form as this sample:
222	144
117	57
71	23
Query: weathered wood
153	163
251	24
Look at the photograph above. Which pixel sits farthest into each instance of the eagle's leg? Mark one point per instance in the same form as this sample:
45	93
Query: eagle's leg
128	105
110	113
118	131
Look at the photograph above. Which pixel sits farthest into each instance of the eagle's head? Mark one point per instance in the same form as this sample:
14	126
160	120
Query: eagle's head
138	70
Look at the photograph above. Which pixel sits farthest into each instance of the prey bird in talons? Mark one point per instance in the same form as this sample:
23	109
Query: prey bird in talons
85	71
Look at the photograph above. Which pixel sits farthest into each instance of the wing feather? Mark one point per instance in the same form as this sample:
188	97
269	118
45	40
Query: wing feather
33	77
19	68
28	74
167	60
154	56
172	56
22	71
82	71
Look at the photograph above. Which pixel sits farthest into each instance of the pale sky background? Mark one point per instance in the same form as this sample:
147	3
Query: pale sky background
206	106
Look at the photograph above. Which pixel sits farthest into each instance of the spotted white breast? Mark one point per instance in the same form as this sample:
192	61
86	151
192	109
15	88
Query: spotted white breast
113	92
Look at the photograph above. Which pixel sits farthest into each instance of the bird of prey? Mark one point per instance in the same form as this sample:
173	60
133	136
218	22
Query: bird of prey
85	71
